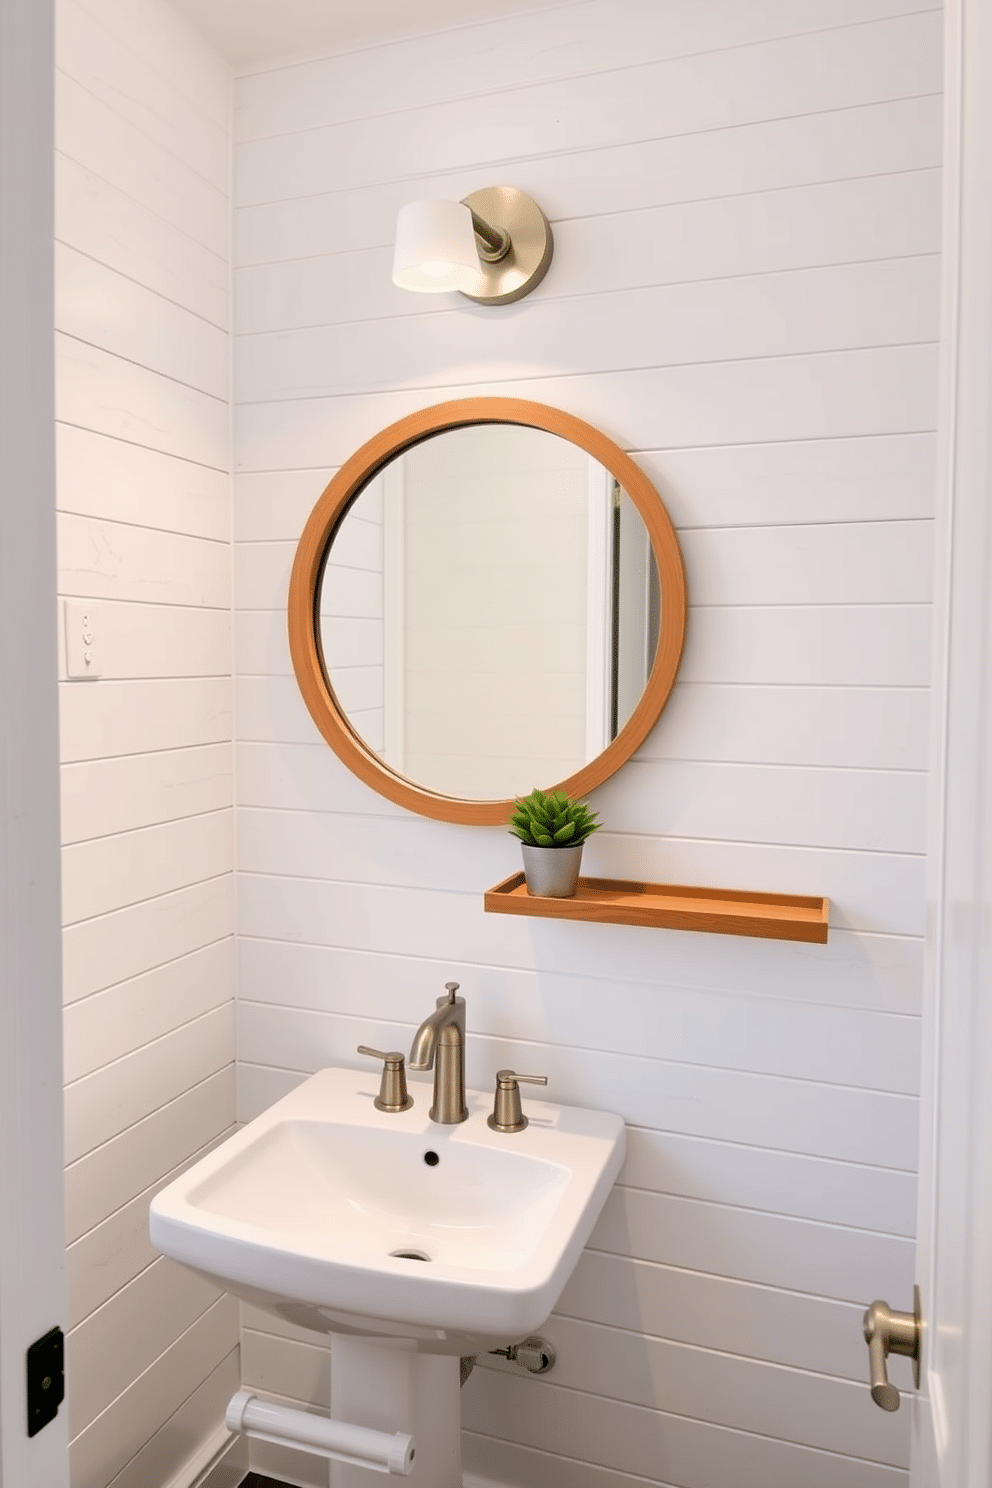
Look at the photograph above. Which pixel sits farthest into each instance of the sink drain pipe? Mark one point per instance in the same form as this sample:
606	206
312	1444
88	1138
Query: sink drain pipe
285	1427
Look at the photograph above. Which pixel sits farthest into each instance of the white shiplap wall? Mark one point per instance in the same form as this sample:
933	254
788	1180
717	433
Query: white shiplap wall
745	201
142	311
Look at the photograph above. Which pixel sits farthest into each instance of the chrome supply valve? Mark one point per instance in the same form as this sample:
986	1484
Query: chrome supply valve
536	1354
393	1095
888	1332
507	1114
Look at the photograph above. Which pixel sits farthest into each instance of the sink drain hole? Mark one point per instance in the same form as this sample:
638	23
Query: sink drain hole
431	1159
410	1255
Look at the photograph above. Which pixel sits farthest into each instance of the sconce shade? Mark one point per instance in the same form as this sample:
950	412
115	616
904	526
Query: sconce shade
435	248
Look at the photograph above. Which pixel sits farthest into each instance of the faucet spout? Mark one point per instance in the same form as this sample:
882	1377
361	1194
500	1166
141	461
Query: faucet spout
439	1043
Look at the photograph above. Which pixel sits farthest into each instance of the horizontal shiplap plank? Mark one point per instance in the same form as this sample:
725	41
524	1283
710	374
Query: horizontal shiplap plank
842	645
100	559
852	1195
104	393
837	563
261	575
115	481
503	1462
110	1024
112	1175
299	1370
470	59
716	89
889	390
110	872
821	1119
121	1433
106	224
102	307
872	810
791	1329
97	137
117	946
260	1086
832	480
140	93
107	1352
623	176
768	1249
864	727
258	1320
261	643
652	1445
114	1252
894	302
274	506
103	718
103	796
190	1432
158	34
101	1105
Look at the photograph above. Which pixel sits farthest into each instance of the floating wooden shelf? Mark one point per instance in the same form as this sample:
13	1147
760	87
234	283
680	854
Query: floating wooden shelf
617	901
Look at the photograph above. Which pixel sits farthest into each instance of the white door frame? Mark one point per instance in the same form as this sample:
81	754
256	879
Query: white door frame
31	1224
952	1436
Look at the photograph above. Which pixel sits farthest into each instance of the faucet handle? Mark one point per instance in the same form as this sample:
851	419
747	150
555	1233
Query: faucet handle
507	1114
393	1095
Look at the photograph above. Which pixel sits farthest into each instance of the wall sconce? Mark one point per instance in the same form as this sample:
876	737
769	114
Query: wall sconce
494	246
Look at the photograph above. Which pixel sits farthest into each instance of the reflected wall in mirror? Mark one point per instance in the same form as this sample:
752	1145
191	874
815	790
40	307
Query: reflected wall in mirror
488	611
488	596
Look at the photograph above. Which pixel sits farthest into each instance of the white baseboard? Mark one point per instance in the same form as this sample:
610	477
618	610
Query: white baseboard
221	1462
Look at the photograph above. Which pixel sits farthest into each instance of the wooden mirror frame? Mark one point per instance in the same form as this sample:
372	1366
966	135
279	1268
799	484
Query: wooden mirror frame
331	507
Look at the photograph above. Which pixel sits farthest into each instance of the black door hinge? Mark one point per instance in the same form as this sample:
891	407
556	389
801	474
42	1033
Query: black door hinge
46	1380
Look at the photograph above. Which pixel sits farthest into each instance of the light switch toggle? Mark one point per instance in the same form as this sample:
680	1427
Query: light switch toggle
83	631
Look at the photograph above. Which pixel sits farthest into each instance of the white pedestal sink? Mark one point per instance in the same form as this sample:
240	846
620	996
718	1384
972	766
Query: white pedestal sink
411	1242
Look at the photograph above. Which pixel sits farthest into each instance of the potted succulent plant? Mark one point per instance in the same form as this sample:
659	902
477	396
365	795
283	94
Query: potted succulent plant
552	829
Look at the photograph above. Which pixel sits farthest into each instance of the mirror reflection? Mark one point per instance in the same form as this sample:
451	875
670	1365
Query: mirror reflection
488	611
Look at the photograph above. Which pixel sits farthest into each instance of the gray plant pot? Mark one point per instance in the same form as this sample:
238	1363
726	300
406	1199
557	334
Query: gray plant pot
552	872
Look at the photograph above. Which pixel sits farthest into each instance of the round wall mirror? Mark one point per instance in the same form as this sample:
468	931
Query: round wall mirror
488	596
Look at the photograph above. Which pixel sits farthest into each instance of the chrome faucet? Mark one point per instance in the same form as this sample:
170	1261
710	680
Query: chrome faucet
439	1042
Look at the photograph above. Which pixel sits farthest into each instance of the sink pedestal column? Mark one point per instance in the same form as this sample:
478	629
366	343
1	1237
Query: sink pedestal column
391	1388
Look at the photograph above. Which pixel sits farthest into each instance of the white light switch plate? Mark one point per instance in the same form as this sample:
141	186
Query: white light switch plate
83	636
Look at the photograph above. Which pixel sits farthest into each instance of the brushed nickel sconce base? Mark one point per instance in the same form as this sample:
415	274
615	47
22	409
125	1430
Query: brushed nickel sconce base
524	265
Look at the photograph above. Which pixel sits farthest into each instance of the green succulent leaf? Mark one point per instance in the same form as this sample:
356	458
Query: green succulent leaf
552	820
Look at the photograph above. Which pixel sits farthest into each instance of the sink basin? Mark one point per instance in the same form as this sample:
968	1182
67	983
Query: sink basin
347	1220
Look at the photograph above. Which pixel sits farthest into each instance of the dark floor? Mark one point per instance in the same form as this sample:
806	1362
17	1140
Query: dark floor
253	1480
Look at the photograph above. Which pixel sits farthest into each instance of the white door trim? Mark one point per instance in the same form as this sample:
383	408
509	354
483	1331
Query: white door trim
952	1444
31	1226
